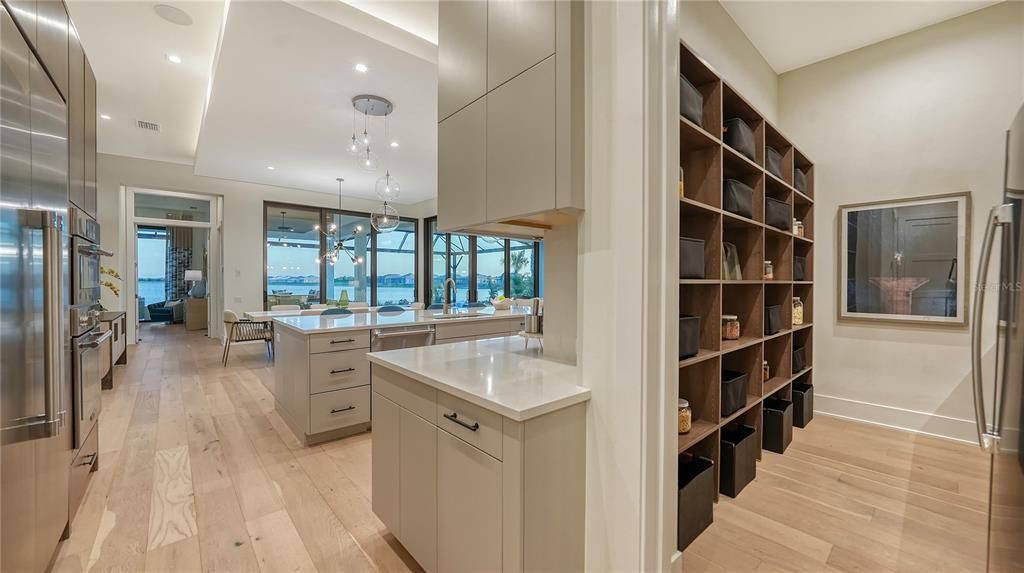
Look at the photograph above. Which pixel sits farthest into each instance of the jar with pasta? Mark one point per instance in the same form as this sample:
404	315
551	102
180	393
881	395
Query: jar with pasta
798	311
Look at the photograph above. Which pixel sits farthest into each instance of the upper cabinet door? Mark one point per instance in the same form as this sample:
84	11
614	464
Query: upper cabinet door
520	33
90	141
76	119
521	145
462	168
461	54
24	13
52	41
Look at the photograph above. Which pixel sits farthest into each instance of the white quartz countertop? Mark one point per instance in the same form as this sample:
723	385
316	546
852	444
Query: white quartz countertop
497	374
315	324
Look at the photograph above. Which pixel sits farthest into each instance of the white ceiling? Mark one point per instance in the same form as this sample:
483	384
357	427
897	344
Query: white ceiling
127	44
281	97
792	34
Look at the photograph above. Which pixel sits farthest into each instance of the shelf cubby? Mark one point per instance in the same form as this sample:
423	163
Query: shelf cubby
745	301
700	160
698	223
806	293
746	360
775	140
803	338
778	248
748	241
801	162
806	250
734	105
703	396
781	295
803	210
710	87
704	445
705	301
736	167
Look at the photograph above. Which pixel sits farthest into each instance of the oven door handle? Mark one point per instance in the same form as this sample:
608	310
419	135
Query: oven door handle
97	341
94	251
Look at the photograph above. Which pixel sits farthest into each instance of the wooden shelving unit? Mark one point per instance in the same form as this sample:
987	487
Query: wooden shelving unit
706	162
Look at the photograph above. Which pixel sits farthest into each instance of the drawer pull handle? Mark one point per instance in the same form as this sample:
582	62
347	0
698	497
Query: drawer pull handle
345	341
88	460
455	418
345	409
342	370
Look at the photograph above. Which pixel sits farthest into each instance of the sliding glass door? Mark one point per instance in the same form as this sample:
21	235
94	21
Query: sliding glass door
292	248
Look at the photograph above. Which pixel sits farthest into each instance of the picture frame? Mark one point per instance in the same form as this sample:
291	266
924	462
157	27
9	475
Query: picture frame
905	260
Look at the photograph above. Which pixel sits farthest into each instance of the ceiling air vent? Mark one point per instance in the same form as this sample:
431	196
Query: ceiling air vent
148	125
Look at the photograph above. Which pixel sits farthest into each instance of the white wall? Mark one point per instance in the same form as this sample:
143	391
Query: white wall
710	31
921	114
243	219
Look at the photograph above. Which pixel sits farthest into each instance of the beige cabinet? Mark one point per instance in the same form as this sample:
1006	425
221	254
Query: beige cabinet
385	461
468	507
418	486
520	33
462	167
521	145
461	54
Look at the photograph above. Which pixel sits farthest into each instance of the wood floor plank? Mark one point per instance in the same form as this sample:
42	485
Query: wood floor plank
182	556
278	546
172	514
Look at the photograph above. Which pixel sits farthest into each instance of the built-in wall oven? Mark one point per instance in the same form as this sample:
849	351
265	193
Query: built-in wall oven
86	340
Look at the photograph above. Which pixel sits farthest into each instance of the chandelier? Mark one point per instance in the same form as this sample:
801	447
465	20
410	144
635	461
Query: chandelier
335	240
384	218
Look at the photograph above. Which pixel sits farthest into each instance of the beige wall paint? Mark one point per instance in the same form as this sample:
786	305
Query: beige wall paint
920	114
709	30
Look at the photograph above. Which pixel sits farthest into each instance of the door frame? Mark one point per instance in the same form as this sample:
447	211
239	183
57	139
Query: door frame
215	259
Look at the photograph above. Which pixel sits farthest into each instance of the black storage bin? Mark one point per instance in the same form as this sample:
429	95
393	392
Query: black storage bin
738	198
772	319
777	214
696	498
734	391
777	431
689	335
799	268
740	137
803	404
799	359
691	258
773	161
800	180
739	459
691	102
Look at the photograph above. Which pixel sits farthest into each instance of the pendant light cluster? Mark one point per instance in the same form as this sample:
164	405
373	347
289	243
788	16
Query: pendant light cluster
335	240
361	146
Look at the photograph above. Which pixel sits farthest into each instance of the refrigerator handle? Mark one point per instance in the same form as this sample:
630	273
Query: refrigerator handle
1000	218
53	315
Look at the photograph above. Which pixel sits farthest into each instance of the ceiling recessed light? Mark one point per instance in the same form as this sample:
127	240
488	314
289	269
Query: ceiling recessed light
361	68
173	15
104	116
173	58
394	144
270	167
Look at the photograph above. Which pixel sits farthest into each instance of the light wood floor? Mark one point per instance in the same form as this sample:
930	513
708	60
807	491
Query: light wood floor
197	472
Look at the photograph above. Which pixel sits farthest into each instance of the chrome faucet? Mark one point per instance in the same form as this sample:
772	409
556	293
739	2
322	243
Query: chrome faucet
448	302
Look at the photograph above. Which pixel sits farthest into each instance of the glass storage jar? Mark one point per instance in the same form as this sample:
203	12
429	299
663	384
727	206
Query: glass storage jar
765	372
798	311
685	416
769	271
730	327
798	228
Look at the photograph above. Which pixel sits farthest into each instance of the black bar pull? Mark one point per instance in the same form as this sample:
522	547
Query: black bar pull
455	418
345	409
343	370
347	340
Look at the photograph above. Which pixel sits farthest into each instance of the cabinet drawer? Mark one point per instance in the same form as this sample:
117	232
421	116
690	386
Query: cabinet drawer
469	422
338	409
338	370
477	329
414	396
80	469
335	341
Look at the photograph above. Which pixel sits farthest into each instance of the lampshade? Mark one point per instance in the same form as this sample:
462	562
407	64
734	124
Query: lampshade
193	275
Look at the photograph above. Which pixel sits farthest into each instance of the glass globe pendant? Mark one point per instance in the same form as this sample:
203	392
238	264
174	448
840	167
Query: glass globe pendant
388	188
384	218
353	147
368	160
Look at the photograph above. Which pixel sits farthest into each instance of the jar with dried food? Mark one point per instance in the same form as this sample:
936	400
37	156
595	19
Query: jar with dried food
685	416
730	327
769	271
765	372
798	311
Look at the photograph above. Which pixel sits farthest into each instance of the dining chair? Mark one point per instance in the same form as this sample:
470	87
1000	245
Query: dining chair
317	305
291	299
416	306
336	312
245	330
286	307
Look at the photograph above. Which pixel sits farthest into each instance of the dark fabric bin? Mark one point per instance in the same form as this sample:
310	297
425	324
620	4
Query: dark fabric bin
691	102
689	335
799	359
777	431
772	319
740	137
777	214
803	404
799	268
739	459
738	198
734	391
800	180
696	498
773	162
691	258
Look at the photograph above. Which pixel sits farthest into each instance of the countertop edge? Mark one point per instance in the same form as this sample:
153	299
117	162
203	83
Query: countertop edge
293	328
583	395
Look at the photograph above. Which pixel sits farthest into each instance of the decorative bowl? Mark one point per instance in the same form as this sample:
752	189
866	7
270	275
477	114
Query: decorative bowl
503	304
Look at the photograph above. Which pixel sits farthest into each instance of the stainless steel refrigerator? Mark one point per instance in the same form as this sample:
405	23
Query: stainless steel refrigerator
998	406
35	380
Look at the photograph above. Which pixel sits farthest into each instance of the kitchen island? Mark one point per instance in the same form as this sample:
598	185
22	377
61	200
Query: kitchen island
321	382
479	456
